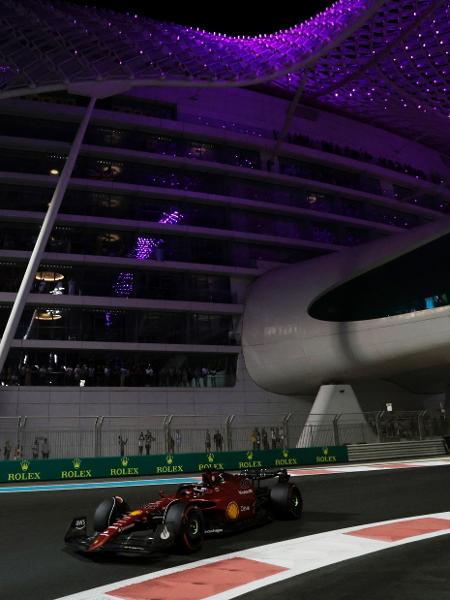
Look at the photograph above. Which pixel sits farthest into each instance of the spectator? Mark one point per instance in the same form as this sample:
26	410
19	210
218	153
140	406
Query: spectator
212	374
205	376
7	450
148	441
124	372
122	444
28	373
218	439
253	439
178	440
18	452
141	443
273	437
208	441
258	439
170	444
35	448
149	376
265	441
45	449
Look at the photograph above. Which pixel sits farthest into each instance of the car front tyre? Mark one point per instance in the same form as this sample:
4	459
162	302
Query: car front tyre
187	526
109	511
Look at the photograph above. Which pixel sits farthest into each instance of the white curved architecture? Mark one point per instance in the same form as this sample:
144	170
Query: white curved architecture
289	351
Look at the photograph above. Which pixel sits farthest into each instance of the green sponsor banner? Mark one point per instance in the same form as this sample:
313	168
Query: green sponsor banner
164	464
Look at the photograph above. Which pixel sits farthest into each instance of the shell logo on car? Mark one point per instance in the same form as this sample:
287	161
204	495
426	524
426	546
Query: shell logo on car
232	511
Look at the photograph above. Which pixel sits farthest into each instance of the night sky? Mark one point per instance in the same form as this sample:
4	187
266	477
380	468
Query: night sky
223	17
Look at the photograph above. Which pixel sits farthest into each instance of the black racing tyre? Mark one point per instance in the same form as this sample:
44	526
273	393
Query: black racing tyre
109	511
186	524
286	500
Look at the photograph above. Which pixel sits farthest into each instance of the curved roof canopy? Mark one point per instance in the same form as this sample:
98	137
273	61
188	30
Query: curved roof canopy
386	61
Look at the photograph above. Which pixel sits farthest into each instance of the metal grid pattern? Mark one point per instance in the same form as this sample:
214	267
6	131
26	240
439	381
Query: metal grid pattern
381	60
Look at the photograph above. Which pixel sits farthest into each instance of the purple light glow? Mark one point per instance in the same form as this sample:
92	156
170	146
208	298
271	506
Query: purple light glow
124	284
368	53
144	248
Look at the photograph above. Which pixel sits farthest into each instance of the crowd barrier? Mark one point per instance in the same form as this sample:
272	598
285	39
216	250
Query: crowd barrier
162	464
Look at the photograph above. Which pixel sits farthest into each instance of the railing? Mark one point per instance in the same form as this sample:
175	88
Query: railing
85	436
377	426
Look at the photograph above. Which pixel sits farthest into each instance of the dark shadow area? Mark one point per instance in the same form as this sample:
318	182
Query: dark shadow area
417	281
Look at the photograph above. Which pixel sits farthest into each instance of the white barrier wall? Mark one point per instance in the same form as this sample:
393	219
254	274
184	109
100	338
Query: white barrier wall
244	398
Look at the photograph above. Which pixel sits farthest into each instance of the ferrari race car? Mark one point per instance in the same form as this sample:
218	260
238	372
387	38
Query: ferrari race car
221	503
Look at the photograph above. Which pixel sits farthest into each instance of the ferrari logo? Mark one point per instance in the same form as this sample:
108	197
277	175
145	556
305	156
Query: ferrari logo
124	461
76	463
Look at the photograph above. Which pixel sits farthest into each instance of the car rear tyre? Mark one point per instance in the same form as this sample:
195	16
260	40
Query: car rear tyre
186	524
286	501
109	511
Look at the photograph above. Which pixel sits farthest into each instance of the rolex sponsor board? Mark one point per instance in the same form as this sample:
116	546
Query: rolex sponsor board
124	467
23	471
211	463
172	464
76	472
27	470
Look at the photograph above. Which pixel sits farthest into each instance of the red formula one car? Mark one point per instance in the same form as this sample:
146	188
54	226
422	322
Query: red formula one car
221	503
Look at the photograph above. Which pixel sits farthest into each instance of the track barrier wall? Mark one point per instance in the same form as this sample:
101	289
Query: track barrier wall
165	464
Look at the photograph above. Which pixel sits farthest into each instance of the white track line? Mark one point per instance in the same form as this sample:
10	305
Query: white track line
298	556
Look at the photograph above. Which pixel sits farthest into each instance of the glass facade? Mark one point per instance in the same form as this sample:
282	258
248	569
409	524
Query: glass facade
118	368
153	212
122	244
83	280
118	325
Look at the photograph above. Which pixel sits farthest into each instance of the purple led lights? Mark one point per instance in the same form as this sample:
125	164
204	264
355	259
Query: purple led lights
349	48
143	250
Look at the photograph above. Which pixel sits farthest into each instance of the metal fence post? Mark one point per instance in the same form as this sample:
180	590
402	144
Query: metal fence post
377	425
21	423
336	430
98	436
420	423
286	430
229	432
167	433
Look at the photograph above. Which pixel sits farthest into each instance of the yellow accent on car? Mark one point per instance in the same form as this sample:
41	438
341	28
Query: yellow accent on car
232	511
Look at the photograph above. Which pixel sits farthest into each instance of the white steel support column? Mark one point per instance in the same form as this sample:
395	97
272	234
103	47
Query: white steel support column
41	242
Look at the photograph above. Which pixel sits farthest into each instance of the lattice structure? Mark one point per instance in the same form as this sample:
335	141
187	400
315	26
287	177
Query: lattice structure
383	60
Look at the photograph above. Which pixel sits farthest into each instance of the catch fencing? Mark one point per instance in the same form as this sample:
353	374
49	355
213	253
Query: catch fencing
95	436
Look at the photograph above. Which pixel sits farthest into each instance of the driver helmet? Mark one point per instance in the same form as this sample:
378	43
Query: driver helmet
211	478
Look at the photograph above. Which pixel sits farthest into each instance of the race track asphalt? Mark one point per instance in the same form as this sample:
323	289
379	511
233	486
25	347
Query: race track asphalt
35	565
